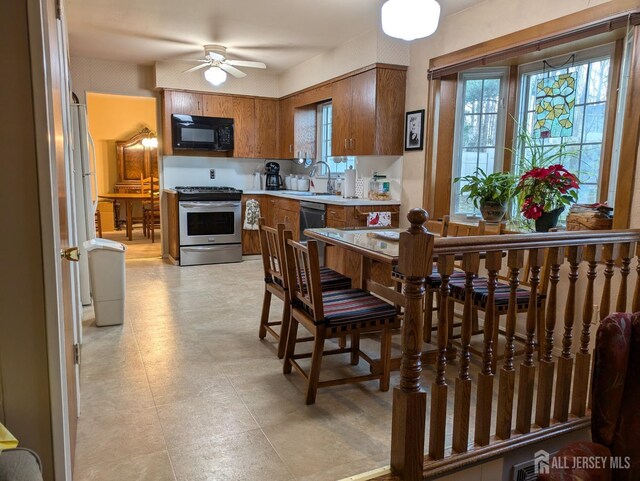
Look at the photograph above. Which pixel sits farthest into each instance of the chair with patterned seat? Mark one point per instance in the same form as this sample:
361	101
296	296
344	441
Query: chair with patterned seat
275	277
332	315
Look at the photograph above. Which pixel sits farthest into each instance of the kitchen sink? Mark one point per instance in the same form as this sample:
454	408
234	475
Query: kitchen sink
305	194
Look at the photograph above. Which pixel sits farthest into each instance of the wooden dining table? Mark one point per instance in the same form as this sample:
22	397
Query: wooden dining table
128	199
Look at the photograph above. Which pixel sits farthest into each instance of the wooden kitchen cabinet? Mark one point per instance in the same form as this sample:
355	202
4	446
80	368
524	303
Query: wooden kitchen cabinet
177	102
251	238
243	127
266	129
350	263
217	106
368	113
173	223
286	137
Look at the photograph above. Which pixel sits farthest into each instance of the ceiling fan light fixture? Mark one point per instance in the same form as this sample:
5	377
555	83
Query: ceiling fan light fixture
410	19
215	75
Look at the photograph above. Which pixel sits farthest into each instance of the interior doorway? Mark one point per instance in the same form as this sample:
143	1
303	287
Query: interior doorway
124	131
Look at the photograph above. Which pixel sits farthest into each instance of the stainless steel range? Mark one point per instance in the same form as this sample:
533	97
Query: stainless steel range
210	225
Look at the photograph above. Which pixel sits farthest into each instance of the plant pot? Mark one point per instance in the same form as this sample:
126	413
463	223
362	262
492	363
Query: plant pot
548	220
493	211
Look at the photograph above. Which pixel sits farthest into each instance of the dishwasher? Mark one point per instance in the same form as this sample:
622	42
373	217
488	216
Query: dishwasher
313	216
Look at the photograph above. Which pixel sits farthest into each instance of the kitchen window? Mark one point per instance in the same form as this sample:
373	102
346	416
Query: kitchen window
591	90
338	164
479	131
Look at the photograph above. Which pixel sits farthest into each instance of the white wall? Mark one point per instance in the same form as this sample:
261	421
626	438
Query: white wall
482	22
364	50
194	171
103	76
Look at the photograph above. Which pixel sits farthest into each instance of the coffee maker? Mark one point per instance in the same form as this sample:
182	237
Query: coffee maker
274	179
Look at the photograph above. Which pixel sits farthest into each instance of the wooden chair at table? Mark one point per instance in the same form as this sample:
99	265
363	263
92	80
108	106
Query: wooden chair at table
535	271
151	207
446	228
332	315
276	282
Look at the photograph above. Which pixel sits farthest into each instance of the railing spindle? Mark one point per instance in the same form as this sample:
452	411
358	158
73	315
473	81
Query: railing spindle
470	265
527	368
565	361
546	364
506	387
484	402
625	270
609	257
583	357
439	388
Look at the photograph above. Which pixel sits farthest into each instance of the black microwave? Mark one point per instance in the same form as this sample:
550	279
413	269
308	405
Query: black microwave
192	132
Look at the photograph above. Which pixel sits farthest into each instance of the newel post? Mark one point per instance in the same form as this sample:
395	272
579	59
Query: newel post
409	399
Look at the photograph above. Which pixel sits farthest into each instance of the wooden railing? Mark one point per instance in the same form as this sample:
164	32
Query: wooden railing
546	316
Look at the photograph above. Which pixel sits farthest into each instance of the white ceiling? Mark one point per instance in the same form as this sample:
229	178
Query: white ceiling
281	33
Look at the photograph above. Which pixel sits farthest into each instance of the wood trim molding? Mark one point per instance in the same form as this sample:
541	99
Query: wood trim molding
510	125
428	197
610	120
630	141
444	153
598	19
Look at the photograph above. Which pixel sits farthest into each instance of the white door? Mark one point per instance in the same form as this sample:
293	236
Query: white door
50	76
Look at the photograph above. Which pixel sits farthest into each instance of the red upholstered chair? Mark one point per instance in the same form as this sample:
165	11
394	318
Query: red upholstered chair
615	416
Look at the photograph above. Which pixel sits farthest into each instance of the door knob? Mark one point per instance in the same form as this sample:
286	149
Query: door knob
70	254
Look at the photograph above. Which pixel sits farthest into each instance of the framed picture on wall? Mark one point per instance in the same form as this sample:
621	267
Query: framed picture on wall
414	130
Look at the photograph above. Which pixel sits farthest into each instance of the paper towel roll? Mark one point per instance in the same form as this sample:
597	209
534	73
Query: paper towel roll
349	186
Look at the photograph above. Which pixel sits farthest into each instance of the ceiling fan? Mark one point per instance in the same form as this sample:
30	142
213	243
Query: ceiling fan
215	58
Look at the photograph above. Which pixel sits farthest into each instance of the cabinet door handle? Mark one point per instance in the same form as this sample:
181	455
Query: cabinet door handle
351	143
290	148
346	145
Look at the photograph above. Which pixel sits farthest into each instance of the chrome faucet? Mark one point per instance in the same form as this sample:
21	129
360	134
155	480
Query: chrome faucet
330	186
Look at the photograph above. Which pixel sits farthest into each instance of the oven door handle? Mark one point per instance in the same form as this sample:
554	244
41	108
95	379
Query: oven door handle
208	205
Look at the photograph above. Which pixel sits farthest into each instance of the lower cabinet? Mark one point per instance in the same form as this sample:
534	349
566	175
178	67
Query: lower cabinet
251	238
349	263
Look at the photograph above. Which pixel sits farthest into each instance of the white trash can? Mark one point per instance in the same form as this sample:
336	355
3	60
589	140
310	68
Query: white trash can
107	275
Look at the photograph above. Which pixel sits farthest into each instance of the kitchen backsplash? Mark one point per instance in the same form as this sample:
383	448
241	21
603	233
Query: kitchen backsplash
234	172
238	173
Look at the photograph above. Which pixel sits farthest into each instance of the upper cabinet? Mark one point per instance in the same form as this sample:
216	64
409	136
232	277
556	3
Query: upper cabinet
244	135
266	128
255	120
368	113
368	117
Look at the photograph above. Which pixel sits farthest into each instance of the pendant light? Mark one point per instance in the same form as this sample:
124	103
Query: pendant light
410	19
216	76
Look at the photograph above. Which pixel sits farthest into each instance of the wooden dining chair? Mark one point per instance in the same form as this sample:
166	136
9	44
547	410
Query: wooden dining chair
332	315
276	282
445	228
151	207
501	298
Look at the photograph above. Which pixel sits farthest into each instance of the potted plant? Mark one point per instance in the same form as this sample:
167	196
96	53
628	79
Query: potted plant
546	186
489	193
544	191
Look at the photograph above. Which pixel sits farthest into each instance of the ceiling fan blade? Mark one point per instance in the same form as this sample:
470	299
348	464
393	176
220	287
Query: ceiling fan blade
200	60
232	70
197	67
246	63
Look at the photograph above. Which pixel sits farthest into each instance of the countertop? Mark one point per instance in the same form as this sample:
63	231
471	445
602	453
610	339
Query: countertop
321	199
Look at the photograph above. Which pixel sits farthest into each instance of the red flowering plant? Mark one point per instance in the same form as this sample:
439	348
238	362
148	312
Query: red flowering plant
544	189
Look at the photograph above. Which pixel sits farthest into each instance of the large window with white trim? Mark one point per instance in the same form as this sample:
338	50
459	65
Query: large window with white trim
585	143
479	132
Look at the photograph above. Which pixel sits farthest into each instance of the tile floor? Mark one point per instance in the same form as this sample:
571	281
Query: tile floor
185	390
